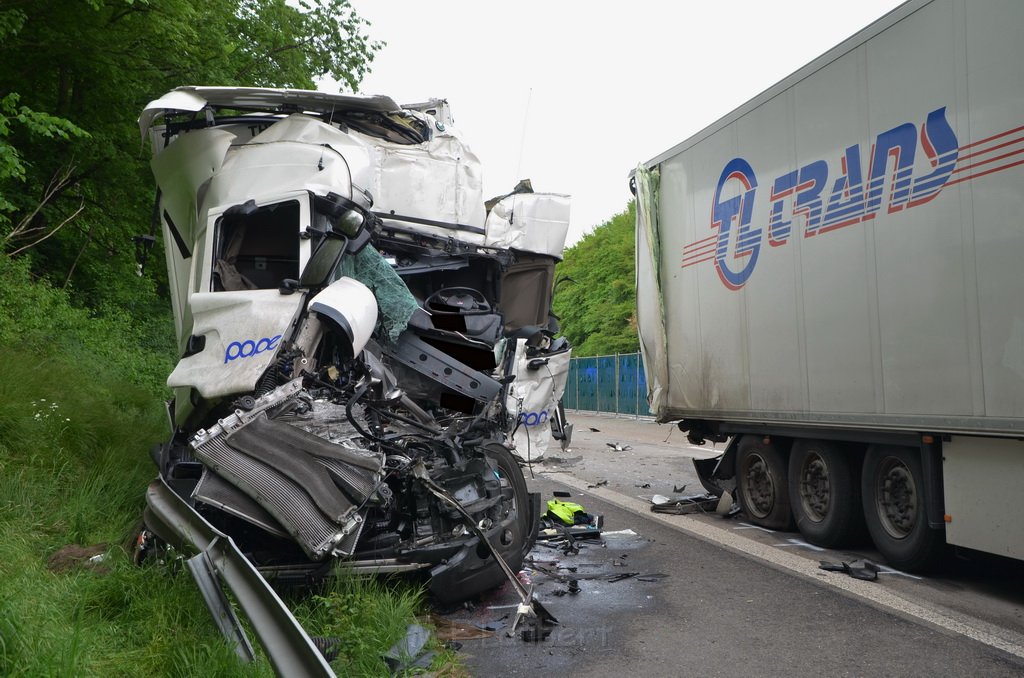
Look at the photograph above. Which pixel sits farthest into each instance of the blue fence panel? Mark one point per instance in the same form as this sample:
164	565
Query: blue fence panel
614	384
569	395
629	369
586	395
606	383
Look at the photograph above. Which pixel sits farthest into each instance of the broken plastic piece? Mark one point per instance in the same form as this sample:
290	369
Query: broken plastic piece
858	569
698	503
405	654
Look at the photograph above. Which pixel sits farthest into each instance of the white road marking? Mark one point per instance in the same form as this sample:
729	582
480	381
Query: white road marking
801	543
976	629
748	526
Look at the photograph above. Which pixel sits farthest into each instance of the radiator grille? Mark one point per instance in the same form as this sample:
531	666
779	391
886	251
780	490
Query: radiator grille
282	498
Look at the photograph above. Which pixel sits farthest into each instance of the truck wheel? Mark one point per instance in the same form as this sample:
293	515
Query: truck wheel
761	483
511	477
892	489
824	490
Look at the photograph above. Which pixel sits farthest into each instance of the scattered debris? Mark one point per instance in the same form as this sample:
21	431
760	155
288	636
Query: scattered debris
621	533
858	569
680	489
595	430
568	513
495	625
644	486
599	483
681	505
727	506
655	576
408	653
621	576
449	630
561	494
563	461
618	447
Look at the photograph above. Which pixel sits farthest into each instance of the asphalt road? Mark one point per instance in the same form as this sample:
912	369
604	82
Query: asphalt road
706	596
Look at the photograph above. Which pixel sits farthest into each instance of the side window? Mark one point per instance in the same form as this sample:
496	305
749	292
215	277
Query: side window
256	247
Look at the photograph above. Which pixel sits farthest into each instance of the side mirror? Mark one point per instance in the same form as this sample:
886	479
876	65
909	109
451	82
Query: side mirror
324	260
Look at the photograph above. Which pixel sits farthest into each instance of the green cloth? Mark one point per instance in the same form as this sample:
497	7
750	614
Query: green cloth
394	300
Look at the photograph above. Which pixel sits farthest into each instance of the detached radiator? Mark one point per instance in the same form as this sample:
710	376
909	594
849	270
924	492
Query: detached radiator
311	487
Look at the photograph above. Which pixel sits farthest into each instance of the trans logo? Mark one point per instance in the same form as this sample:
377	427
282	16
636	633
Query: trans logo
852	197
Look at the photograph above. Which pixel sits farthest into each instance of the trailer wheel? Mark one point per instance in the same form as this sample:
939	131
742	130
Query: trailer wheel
761	483
892	489
824	490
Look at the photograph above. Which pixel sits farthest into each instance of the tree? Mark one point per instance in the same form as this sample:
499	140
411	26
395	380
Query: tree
598	306
91	66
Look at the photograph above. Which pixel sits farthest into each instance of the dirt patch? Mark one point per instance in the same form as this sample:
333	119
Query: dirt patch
73	556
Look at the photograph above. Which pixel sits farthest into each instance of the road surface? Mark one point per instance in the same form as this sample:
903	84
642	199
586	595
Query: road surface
706	596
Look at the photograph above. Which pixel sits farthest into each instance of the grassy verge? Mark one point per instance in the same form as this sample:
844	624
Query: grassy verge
81	406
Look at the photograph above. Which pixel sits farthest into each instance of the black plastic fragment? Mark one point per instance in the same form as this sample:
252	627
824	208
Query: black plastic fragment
858	569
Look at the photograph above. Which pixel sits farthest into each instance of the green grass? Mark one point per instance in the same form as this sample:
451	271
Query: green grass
367	615
81	406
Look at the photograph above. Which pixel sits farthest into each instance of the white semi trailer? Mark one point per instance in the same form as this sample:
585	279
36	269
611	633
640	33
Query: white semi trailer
830	277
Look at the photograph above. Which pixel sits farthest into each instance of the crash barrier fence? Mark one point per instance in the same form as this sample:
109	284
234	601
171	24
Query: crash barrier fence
614	384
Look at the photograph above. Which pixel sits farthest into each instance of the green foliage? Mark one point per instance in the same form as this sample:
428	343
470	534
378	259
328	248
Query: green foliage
598	307
35	315
74	435
12	165
74	77
367	615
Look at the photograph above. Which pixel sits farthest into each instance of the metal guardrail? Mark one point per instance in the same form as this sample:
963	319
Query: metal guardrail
614	384
288	647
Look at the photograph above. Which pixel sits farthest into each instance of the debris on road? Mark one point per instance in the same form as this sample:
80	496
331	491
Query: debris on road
858	569
568	513
622	533
618	447
448	630
682	505
561	461
599	483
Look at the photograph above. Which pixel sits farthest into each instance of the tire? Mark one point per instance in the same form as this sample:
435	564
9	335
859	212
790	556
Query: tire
509	471
892	489
824	491
761	485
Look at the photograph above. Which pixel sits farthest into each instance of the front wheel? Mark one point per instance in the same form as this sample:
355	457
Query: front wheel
892	489
515	542
761	484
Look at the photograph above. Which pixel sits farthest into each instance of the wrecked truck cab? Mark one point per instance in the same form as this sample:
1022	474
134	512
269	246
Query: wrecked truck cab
366	347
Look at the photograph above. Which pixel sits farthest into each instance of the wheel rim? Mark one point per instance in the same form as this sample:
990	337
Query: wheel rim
759	488
815	488
896	498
